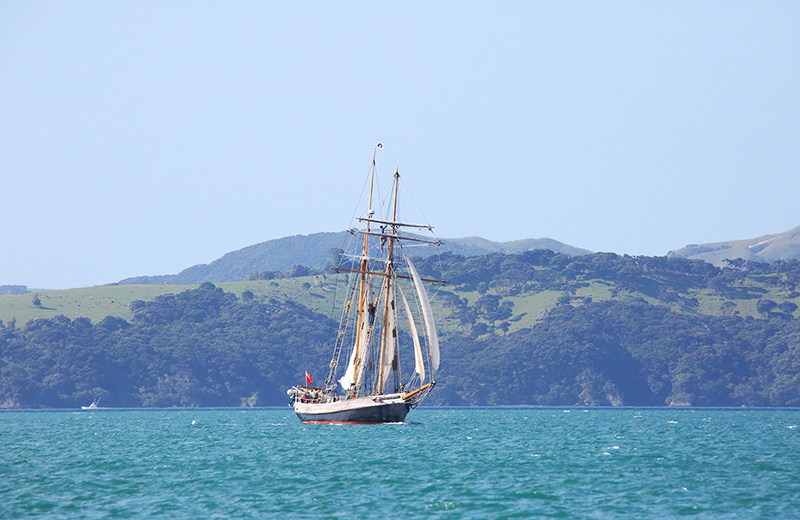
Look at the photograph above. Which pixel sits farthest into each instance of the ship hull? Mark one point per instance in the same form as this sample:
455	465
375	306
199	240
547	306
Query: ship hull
365	410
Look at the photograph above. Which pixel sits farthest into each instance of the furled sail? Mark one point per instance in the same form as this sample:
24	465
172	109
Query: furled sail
363	349
427	313
391	338
420	365
348	378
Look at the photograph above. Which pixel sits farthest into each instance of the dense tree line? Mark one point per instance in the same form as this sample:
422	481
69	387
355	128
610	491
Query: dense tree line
13	289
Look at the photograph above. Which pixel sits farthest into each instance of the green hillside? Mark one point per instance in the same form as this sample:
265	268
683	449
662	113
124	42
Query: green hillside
96	303
564	279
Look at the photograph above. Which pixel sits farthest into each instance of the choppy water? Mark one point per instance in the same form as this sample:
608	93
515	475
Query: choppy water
447	463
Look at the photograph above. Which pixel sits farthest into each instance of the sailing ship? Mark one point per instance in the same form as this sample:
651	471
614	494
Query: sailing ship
386	351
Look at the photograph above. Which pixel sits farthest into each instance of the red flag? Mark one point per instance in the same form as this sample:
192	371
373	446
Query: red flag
308	378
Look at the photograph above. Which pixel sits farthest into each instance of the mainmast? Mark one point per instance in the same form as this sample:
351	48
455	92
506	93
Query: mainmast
389	299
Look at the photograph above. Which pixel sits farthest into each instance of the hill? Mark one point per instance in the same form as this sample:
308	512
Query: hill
539	328
767	248
273	255
315	250
476	246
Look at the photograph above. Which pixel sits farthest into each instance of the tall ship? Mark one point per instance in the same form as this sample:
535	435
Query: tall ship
386	351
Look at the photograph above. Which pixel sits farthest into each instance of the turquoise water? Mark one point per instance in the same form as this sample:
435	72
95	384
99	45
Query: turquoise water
447	463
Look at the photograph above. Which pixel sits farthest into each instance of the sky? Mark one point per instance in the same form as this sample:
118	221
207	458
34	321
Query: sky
141	138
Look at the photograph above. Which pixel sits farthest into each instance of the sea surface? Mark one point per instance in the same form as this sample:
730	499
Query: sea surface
444	463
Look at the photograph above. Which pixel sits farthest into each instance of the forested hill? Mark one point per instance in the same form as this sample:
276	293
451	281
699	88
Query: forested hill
538	328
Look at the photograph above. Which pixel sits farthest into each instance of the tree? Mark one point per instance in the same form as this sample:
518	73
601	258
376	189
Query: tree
299	270
36	300
764	306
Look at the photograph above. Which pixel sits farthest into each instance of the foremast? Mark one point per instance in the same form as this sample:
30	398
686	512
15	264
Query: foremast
363	294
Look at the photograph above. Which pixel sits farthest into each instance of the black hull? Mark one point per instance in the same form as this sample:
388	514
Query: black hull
383	413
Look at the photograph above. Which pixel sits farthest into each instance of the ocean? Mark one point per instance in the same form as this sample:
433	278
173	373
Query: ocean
444	463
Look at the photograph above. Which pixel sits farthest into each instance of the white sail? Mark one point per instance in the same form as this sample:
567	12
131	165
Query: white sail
427	313
420	364
391	338
347	379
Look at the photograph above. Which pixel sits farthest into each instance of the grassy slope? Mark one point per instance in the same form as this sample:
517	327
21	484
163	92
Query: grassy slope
94	303
766	248
97	302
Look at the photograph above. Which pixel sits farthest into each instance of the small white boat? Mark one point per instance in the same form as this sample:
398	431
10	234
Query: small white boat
95	405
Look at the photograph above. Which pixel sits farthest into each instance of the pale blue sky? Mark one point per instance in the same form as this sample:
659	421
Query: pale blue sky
145	137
